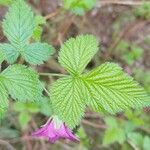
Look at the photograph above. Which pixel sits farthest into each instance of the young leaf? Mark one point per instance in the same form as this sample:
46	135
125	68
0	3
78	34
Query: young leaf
19	24
3	99
76	53
40	20
112	90
68	100
10	52
22	83
36	53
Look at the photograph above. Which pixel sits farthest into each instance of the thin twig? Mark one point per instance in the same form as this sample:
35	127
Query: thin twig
132	145
93	124
119	2
53	14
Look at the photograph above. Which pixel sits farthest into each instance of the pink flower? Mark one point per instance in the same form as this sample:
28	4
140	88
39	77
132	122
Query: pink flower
55	129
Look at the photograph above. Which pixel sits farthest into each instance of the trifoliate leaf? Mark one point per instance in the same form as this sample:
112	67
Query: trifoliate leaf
36	53
22	83
112	90
68	100
3	99
76	53
19	24
10	52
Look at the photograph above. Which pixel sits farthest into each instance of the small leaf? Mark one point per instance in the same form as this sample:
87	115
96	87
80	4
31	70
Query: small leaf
22	83
10	52
68	100
36	53
39	20
112	90
37	33
77	52
19	24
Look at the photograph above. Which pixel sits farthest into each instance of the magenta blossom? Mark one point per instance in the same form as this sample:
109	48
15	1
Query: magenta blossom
55	129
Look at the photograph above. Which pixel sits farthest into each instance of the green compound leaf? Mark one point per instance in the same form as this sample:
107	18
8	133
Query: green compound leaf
68	100
19	24
36	53
10	52
76	53
3	99
22	83
112	90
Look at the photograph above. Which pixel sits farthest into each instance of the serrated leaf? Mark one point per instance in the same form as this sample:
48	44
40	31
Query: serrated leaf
76	53
10	52
68	100
19	24
3	99
21	82
112	90
36	53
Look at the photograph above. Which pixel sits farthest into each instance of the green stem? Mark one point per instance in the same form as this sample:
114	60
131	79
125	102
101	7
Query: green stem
52	74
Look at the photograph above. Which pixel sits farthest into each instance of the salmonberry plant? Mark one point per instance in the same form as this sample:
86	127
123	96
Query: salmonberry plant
104	89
